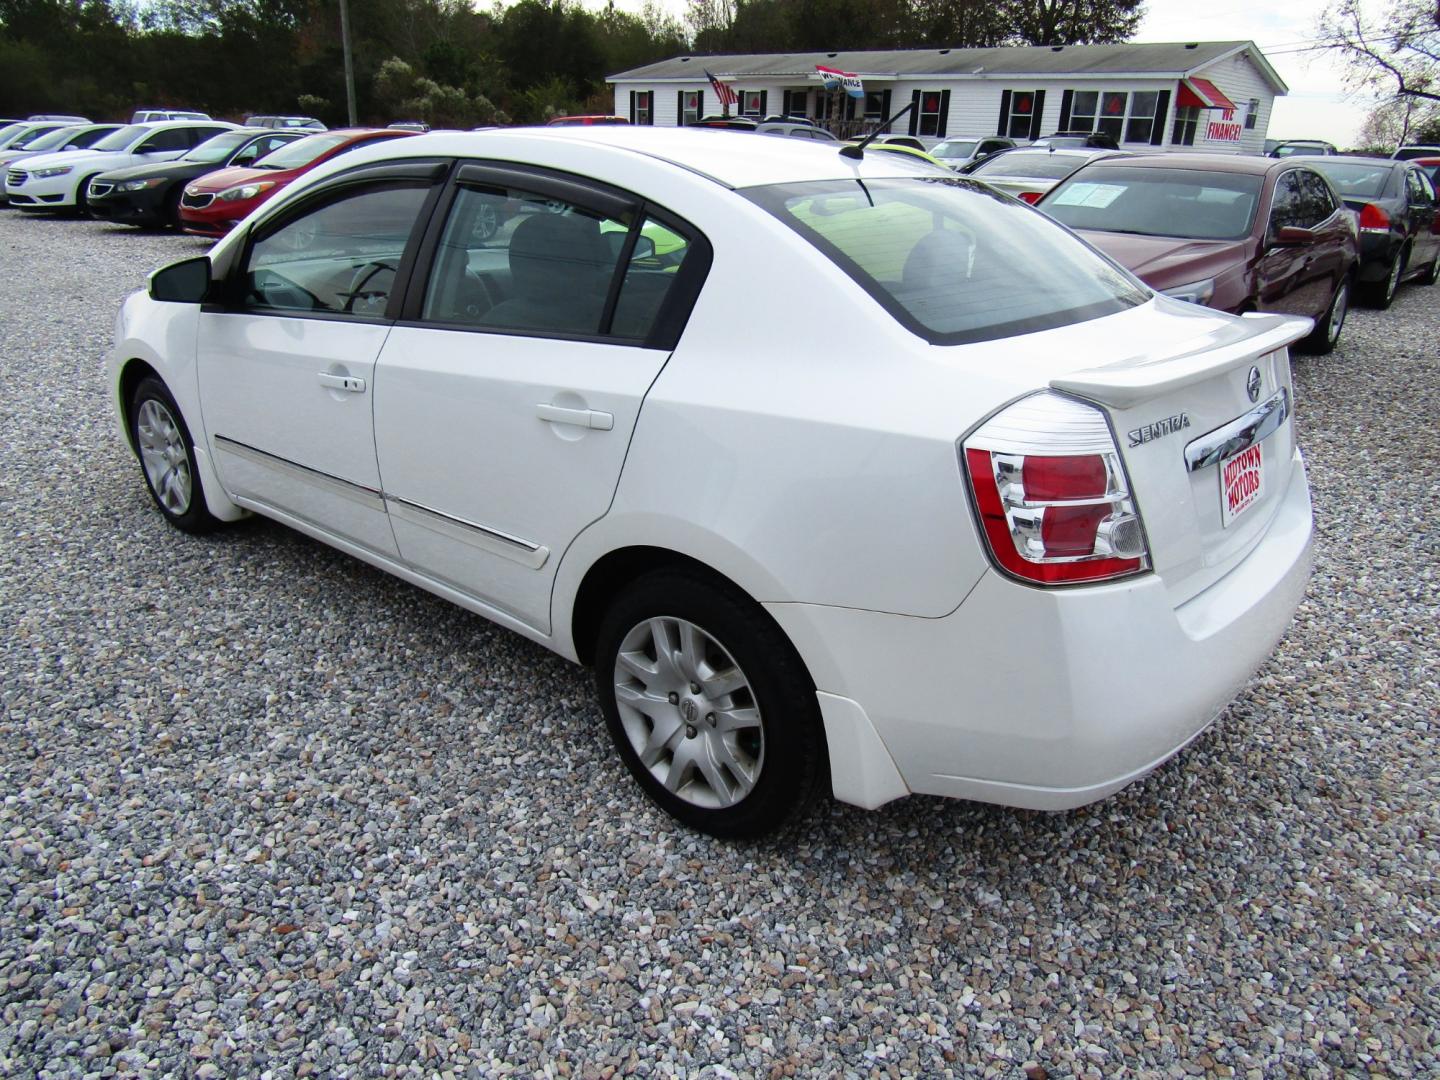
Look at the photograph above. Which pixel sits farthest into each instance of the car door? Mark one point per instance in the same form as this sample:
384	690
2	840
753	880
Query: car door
1285	280
506	395
1420	195
286	361
1330	254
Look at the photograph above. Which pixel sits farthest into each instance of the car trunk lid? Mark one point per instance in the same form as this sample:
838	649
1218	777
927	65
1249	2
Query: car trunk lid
1208	440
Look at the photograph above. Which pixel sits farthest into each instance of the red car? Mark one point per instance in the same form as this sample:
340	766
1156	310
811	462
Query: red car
1224	230
213	204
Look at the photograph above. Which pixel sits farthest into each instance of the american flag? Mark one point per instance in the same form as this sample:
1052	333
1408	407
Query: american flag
727	96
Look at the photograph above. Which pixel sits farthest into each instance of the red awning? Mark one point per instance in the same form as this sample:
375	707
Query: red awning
1201	94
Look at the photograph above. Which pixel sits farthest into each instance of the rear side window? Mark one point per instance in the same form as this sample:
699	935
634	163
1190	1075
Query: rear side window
518	262
950	259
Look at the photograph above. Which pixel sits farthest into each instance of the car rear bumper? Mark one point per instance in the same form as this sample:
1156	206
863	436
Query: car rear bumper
1053	698
1376	251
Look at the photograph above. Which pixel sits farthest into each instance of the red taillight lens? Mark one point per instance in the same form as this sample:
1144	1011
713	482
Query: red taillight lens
1372	217
1051	517
1031	197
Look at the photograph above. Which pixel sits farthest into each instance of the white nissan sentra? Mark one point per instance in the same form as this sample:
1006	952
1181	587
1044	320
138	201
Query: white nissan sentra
838	472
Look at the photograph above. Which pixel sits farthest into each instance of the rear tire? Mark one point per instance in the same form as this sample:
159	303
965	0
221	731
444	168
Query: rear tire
1381	294
709	705
1326	335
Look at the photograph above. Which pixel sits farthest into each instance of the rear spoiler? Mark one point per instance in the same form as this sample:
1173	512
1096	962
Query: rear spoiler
1138	378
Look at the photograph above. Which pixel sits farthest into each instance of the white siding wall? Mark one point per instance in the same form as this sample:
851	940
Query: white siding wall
975	103
1240	80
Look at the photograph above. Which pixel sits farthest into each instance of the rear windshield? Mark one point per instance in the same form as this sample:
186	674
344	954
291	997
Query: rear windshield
119	140
950	259
1034	164
300	152
956	148
1157	202
1363	181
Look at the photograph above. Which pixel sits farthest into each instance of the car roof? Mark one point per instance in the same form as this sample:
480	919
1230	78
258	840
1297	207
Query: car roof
1227	163
713	153
1355	159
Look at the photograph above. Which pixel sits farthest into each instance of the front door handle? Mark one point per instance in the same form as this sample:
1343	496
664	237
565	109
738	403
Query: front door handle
342	382
586	418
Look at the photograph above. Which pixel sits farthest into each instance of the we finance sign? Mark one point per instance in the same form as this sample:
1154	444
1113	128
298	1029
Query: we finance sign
1225	126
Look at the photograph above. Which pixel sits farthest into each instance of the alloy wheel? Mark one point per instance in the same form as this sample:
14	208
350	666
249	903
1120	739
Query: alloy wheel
164	456
689	712
1393	281
1339	307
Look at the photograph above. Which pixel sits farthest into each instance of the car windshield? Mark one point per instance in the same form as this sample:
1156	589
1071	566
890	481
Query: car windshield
219	148
1039	166
950	259
300	152
955	148
1361	181
119	140
1157	202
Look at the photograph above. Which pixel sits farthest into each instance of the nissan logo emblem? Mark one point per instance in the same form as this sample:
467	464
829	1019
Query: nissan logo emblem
1252	384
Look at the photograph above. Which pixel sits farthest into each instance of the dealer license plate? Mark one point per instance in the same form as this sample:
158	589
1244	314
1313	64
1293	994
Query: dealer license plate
1242	482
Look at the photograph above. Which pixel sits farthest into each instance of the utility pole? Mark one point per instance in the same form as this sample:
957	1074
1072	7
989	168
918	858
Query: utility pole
349	64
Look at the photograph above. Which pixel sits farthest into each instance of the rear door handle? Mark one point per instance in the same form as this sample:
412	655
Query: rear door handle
586	418
342	382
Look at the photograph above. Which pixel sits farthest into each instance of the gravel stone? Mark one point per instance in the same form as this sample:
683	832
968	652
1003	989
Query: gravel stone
266	812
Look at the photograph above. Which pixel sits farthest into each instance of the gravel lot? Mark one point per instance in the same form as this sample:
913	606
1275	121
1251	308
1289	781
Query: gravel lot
269	812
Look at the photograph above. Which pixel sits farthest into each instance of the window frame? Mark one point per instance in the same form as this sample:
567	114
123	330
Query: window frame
1186	126
592	195
1028	116
430	171
1145	117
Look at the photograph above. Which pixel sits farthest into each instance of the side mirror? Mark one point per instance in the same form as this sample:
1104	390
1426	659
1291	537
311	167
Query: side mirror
644	249
184	282
1294	236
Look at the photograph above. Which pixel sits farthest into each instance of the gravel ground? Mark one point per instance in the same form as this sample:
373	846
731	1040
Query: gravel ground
269	812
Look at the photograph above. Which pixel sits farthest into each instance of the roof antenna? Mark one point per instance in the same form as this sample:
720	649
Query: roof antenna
858	151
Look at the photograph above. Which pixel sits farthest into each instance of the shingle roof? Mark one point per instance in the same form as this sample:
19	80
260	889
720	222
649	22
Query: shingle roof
1176	59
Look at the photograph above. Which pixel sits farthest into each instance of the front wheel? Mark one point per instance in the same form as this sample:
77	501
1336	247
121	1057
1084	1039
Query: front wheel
167	457
1432	272
709	705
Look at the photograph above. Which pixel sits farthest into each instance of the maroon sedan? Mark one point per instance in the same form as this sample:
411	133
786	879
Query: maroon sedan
213	204
1235	233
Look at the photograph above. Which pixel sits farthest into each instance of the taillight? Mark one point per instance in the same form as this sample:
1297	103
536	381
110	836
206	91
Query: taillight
1032	197
1374	219
1051	492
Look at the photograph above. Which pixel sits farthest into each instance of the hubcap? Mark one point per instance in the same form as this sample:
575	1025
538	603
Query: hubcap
1393	281
162	453
689	712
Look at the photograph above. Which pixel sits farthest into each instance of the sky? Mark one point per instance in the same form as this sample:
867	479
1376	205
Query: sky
1318	105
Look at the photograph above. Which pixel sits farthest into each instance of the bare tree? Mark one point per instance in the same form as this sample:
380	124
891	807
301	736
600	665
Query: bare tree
1398	52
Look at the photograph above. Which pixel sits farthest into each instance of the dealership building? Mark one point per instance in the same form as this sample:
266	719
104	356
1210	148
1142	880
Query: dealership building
1205	95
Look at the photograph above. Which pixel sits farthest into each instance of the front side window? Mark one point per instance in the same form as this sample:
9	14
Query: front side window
514	261
1157	202
340	258
165	141
950	259
1287	205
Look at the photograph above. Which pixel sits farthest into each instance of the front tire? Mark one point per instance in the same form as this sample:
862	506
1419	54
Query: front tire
709	705
167	457
1432	272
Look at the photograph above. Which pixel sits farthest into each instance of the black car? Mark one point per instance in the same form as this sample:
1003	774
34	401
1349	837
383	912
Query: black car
1078	140
1396	203
149	195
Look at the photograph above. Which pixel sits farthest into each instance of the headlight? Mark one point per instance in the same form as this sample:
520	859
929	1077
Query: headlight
58	170
1197	292
245	191
141	185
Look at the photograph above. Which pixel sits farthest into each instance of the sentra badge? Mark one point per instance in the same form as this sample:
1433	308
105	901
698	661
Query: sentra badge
1159	429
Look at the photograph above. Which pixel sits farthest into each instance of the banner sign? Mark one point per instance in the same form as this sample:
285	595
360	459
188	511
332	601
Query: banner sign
834	80
1225	125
